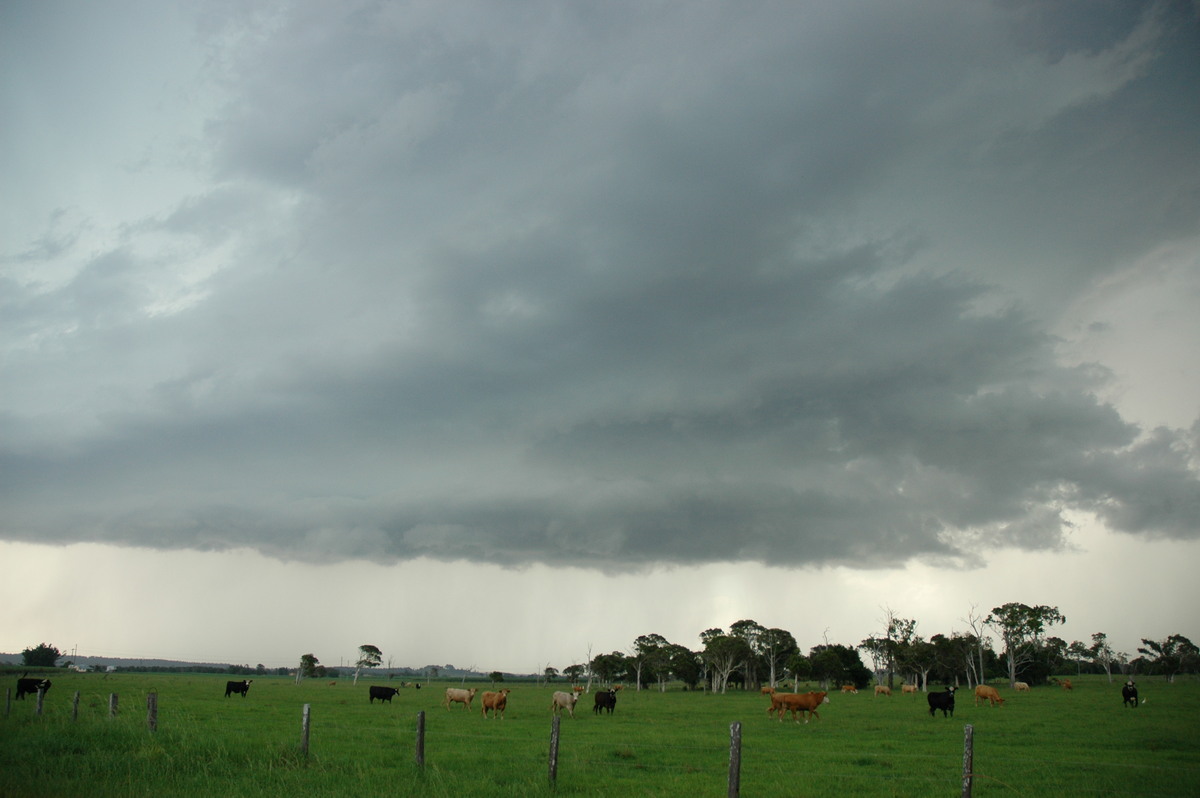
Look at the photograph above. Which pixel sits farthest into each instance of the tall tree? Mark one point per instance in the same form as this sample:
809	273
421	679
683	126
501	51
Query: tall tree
723	654
1022	627
1102	654
42	655
1172	656
368	657
308	667
550	673
777	647
752	633
646	655
685	664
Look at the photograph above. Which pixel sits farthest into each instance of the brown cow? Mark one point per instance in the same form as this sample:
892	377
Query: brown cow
798	702
908	688
456	694
767	690
849	688
496	702
989	694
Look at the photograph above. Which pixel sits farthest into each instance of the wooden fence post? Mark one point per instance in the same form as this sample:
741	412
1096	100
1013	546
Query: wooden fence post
75	707
735	759
152	711
968	759
421	739
112	705
554	723
304	723
41	700
7	701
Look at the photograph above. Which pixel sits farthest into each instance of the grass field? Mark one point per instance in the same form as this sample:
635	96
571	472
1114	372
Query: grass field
1045	743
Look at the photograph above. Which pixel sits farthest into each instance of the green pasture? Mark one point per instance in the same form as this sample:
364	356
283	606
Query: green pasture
1045	743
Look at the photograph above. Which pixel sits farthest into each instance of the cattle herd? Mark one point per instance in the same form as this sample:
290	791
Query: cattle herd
800	705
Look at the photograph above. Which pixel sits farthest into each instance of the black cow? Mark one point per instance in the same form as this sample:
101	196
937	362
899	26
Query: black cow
1129	694
31	686
382	693
605	699
943	701
237	687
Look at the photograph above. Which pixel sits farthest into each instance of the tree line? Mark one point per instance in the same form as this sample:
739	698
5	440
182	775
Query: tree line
749	656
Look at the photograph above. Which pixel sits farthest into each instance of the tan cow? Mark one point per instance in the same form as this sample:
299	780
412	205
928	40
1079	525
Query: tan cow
883	689
798	702
562	701
1021	687
989	694
908	688
496	702
457	694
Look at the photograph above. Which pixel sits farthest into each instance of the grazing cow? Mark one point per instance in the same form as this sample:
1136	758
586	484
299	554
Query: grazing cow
496	702
989	694
237	687
31	686
908	688
1021	687
766	690
798	702
577	688
849	688
459	695
1064	683
1129	694
605	699
562	701
618	687
382	693
883	689
943	701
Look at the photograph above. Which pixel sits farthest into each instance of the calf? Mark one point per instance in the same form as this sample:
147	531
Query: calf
605	699
1129	694
989	694
237	687
943	701
382	693
459	695
496	702
798	702
562	701
1021	687
883	689
31	686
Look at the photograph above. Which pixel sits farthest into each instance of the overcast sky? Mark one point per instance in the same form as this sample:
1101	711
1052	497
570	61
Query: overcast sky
490	332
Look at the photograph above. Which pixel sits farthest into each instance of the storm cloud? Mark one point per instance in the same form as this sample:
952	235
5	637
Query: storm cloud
610	286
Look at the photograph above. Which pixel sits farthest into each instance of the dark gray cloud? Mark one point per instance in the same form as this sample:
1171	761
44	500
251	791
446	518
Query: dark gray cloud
619	286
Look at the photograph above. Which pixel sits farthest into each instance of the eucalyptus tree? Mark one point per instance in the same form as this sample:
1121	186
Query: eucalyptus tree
1172	656
723	654
778	646
368	657
1022	629
1102	654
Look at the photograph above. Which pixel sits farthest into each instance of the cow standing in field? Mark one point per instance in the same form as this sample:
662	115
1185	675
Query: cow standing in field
496	702
989	694
943	701
908	688
382	693
1129	696
798	702
31	686
561	701
849	688
1021	687
242	687
459	695
605	699
883	689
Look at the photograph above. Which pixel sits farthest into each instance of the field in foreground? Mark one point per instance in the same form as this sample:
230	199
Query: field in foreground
1045	743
